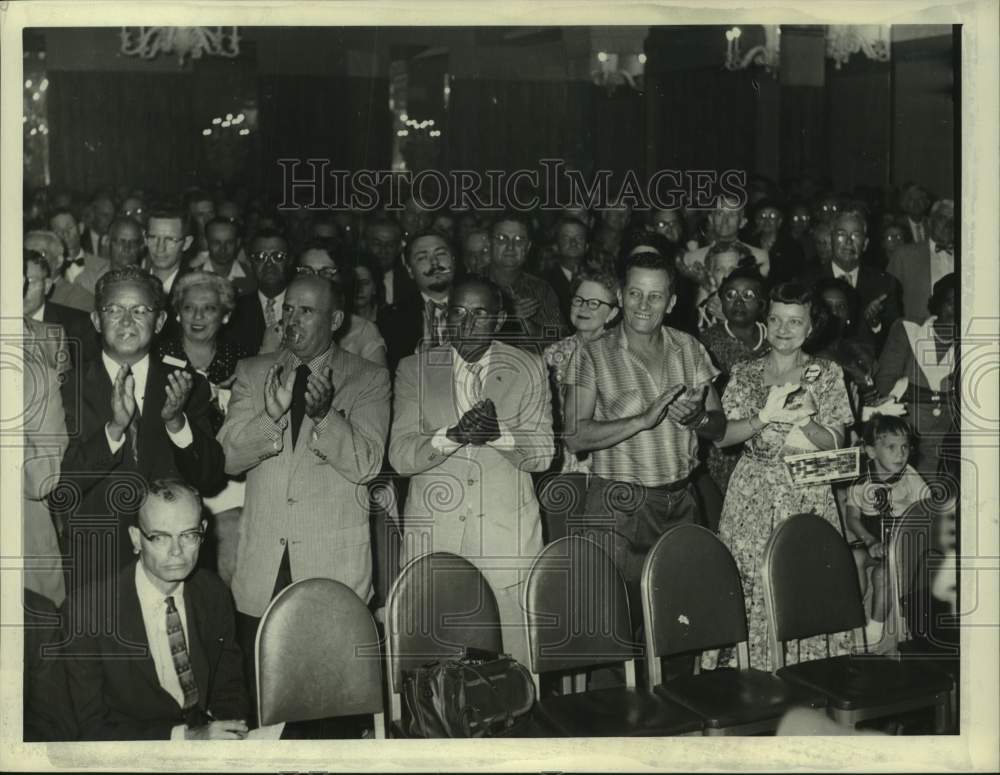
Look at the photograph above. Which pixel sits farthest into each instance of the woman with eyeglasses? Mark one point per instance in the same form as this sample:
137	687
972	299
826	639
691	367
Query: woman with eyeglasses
594	307
737	336
203	303
784	403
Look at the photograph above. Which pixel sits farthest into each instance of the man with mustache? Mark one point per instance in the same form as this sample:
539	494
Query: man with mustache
308	425
430	262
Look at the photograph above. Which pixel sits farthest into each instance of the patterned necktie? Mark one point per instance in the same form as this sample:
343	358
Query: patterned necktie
179	652
270	313
133	435
298	408
477	382
434	315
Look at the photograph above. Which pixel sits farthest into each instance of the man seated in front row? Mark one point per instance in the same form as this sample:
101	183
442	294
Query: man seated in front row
169	666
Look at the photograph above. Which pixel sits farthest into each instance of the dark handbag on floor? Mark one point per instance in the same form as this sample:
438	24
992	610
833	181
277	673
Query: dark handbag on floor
468	697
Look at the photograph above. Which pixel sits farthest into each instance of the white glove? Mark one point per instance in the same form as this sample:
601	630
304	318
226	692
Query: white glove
774	408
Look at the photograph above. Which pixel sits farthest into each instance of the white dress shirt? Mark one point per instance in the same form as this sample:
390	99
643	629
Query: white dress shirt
72	270
850	277
467	381
153	605
39	314
140	371
916	229
942	262
387	282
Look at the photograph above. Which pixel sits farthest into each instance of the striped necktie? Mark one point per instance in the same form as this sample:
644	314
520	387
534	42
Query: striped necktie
179	652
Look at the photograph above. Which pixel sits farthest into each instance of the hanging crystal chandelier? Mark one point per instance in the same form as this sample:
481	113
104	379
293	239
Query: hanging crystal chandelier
842	42
194	42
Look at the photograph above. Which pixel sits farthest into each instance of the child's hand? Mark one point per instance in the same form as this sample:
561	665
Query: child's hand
876	550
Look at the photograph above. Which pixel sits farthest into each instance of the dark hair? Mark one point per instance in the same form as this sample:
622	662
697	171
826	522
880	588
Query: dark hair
62	211
947	283
130	274
427	233
650	261
797	293
567	220
851	294
172	215
124	220
36	258
664	247
364	260
511	216
751	273
220	221
269	234
884	425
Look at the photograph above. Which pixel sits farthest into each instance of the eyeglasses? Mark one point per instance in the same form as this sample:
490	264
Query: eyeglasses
517	241
769	215
188	540
747	294
127	244
592	304
668	224
160	239
461	313
272	256
328	272
843	236
117	311
572	241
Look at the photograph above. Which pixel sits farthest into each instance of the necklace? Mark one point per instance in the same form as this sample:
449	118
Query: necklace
761	333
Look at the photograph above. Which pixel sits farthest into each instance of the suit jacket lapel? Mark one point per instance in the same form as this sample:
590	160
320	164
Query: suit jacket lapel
132	629
440	386
199	645
150	423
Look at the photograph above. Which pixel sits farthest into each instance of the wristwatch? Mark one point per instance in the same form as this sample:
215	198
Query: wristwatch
703	421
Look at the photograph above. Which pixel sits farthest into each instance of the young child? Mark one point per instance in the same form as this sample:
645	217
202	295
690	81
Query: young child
888	488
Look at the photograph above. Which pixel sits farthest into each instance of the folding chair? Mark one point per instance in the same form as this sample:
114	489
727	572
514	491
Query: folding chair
693	601
811	588
317	656
439	607
576	610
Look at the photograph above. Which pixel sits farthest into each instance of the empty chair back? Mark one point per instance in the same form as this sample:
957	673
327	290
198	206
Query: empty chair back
810	580
576	608
439	605
691	593
317	655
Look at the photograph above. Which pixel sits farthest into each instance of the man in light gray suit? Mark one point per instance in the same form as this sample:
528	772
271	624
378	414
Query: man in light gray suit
308	424
472	420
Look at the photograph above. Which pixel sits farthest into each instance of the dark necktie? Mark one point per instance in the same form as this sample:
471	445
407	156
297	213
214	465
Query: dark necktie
179	652
133	435
298	408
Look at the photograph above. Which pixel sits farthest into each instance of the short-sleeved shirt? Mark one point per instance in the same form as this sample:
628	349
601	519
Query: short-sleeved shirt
625	388
875	498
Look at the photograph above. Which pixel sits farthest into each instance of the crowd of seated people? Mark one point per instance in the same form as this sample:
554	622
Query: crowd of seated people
225	390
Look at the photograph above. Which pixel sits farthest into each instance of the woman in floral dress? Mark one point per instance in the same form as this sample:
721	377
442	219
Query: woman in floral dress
784	403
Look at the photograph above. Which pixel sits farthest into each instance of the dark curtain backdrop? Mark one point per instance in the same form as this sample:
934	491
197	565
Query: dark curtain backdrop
111	128
345	120
702	119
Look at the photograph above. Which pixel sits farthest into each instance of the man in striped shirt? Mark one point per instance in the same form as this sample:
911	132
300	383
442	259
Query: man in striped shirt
641	397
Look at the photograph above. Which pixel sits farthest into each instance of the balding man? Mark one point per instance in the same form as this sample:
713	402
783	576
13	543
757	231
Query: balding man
307	424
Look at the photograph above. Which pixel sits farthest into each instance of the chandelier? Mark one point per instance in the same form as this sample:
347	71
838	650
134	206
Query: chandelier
149	42
842	41
611	70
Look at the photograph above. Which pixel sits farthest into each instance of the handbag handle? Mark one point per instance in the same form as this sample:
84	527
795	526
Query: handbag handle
509	720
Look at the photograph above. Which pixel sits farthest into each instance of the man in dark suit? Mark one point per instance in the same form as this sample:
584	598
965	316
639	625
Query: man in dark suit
170	667
256	321
133	419
879	292
571	247
919	265
384	241
81	342
430	264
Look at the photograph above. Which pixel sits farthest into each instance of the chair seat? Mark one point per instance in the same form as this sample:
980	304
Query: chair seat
857	682
923	654
616	712
728	698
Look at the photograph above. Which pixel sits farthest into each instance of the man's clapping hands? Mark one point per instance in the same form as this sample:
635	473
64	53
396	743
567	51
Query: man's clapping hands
477	426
